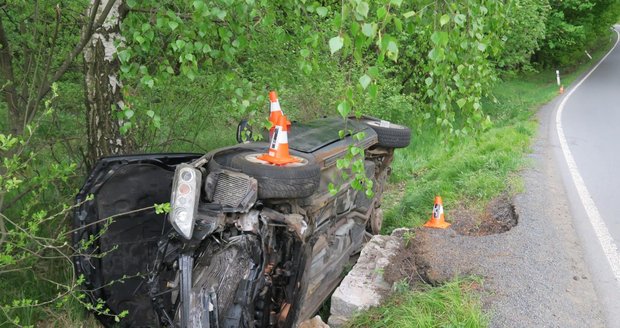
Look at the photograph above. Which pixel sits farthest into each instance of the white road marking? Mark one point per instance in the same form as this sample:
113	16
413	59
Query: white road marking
600	229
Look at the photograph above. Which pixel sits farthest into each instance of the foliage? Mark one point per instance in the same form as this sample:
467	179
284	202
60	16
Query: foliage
573	27
525	31
454	304
34	239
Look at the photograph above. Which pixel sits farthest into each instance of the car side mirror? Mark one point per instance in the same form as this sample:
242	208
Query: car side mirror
244	131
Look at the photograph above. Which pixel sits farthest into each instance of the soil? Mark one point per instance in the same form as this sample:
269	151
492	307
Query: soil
498	217
412	264
406	265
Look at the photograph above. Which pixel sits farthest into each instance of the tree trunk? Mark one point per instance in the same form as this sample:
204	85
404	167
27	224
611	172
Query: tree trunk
104	100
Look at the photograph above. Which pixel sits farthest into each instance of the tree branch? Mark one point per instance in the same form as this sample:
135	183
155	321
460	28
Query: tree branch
31	109
86	36
6	69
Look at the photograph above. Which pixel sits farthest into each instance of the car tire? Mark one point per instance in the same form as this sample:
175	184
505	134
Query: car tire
222	158
390	135
296	180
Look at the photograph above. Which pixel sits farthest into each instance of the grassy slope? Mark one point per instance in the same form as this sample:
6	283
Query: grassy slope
470	172
450	305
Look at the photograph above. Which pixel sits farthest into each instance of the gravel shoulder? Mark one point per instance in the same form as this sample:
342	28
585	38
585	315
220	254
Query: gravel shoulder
534	274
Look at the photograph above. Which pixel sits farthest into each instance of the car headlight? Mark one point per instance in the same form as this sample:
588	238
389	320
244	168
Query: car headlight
184	199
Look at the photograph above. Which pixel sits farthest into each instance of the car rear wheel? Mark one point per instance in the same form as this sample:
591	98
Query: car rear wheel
293	180
390	135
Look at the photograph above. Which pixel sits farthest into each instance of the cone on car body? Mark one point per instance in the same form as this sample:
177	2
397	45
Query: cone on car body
437	218
275	112
278	147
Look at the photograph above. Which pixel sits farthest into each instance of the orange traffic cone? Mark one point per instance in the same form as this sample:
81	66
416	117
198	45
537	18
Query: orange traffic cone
275	112
278	148
437	219
561	89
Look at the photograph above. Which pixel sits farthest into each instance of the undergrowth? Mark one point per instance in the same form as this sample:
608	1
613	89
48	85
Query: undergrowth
450	305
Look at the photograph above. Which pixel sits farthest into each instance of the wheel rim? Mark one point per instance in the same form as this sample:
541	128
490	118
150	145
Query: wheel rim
384	124
253	158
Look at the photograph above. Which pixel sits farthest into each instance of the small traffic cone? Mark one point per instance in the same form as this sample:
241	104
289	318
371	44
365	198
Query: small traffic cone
437	219
275	112
561	89
278	147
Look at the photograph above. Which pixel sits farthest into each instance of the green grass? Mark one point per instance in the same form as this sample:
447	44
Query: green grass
450	305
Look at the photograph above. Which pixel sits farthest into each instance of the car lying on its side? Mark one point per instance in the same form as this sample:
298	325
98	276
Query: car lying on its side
246	243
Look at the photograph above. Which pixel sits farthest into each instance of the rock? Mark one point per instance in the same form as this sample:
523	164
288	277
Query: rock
401	232
364	286
315	322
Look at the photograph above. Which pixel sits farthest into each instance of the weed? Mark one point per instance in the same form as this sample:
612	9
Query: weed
401	286
408	237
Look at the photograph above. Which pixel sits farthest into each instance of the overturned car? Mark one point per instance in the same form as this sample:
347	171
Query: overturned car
245	244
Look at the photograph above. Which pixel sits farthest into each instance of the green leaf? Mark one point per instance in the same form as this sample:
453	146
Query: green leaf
373	90
150	113
332	189
396	3
392	48
344	109
428	81
124	55
129	113
221	14
321	11
440	38
459	19
335	44
482	46
444	19
180	44
125	127
139	38
173	25
365	81
131	3
381	12
362	8
373	71
409	14
461	102
304	53
368	30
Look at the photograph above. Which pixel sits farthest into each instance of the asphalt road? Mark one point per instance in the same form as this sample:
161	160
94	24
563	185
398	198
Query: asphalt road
586	134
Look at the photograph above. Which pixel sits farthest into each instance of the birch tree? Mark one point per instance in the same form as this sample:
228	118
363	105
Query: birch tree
104	100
